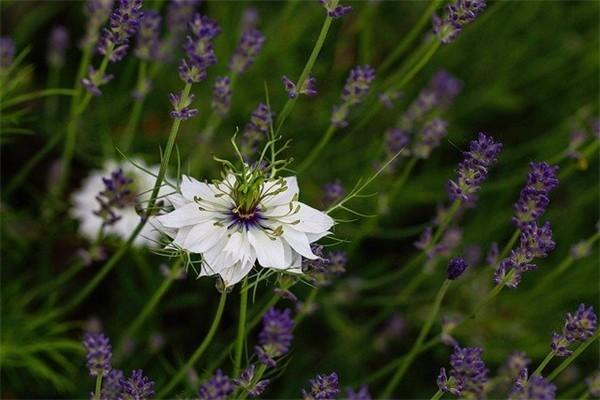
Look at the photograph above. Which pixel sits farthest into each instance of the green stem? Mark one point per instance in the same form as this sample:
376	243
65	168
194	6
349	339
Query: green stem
490	296
444	224
36	95
241	333
136	112
98	390
148	308
199	351
432	48
573	356
257	377
410	37
309	299
397	377
316	150
289	105
438	395
540	368
510	244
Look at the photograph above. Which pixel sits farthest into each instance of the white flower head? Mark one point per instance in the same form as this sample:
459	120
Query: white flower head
242	219
86	205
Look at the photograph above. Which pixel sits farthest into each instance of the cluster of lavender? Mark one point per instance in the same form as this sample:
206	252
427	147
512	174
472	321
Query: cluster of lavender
113	45
328	266
147	48
419	120
308	87
256	131
221	102
334	10
473	170
356	88
275	337
322	387
456	267
450	240
468	374
97	12
535	241
458	14
179	15
57	46
250	45
578	327
114	384
217	387
7	52
117	194
534	387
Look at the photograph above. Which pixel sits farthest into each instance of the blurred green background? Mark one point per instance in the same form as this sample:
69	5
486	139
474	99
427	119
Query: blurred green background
531	77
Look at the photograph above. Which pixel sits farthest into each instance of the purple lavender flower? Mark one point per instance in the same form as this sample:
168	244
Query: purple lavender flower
179	14
246	381
7	51
57	45
97	12
256	130
147	38
454	385
458	14
137	387
221	102
456	267
514	364
250	45
534	197
116	195
581	325
535	242
333	10
182	106
593	384
333	192
94	80
250	18
356	88
124	23
99	353
534	388
493	254
388	98
396	139
580	250
308	88
276	336
219	387
429	138
111	385
199	49
322	387
325	268
439	93
473	170
361	394
468	374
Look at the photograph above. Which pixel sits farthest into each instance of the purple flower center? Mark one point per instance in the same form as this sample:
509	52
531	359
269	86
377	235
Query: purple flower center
246	218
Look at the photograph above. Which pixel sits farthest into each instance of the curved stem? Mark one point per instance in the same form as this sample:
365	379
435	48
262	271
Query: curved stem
241	333
438	395
199	351
393	383
316	151
134	116
540	368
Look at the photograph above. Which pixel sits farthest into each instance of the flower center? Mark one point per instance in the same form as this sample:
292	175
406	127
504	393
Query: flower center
245	218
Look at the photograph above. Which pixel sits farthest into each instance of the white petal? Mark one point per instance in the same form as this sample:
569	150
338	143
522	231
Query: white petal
236	273
186	215
303	218
204	236
299	242
313	237
269	251
209	195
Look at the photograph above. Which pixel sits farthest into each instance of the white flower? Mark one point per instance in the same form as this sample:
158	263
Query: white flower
242	219
86	205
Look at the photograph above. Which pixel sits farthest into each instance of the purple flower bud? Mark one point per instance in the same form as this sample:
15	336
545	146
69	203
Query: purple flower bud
199	49
396	139
308	87
322	387
453	385
333	10
333	192
99	353
147	39
181	106
276	336
259	388
124	23
137	387
456	267
250	45
468	370
514	364
429	138
57	45
111	385
219	387
221	102
97	12
581	325
356	88
246	381
361	394
458	14
535	387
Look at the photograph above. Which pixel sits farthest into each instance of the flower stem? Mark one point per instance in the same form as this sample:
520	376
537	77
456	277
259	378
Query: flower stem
410	37
199	351
257	377
510	244
98	390
416	348
573	356
540	368
309	299
131	330
444	224
486	300
289	105
136	112
438	395
316	151
241	333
